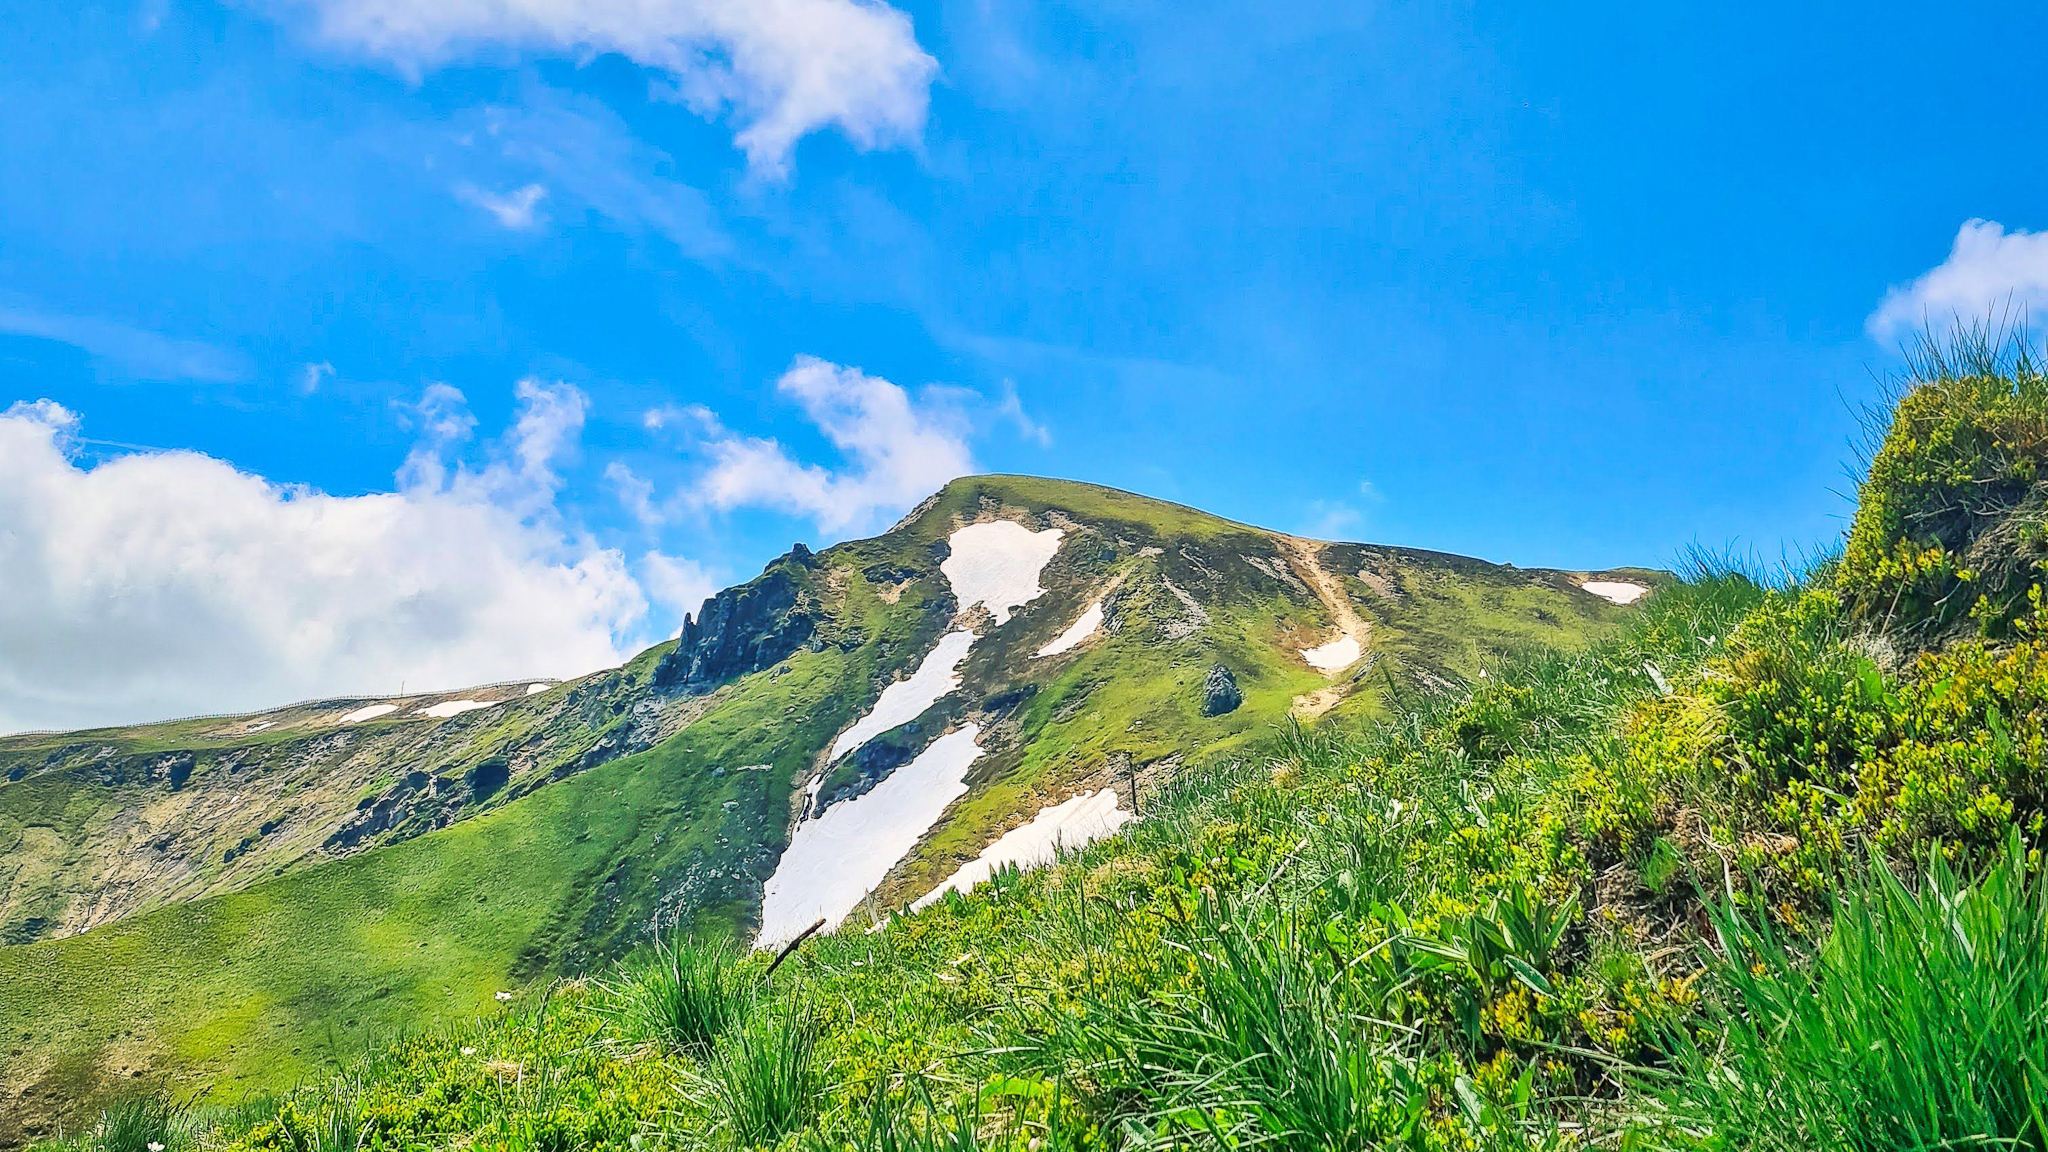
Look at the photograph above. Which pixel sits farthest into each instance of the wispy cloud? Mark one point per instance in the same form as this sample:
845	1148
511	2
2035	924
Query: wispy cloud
1341	519
579	158
517	209
127	351
313	375
894	450
1989	272
1010	407
781	68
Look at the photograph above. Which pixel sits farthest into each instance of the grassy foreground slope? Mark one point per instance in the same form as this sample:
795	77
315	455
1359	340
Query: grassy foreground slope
1762	872
274	976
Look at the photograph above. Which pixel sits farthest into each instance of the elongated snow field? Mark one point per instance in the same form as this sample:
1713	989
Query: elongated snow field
834	861
369	712
1072	823
1081	629
906	699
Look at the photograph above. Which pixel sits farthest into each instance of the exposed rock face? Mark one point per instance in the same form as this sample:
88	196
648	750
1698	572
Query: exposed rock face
1219	692
743	629
873	763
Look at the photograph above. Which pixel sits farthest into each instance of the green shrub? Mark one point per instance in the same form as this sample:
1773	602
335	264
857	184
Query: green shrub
1952	518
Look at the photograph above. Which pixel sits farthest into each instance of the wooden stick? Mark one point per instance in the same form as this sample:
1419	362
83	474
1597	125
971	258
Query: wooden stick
791	947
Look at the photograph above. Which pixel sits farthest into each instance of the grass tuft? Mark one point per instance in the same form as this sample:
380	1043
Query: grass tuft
683	994
1920	1021
766	1081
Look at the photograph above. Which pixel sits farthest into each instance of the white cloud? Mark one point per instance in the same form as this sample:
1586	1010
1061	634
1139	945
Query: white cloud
896	450
582	160
676	584
125	349
1011	407
164	583
1989	272
517	209
1338	519
313	375
782	68
1332	520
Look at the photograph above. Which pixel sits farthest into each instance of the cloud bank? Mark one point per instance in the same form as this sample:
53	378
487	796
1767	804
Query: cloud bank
1990	273
161	584
781	68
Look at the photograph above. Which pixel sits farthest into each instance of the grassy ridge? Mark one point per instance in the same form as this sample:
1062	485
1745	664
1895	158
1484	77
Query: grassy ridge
259	987
1077	1002
1761	872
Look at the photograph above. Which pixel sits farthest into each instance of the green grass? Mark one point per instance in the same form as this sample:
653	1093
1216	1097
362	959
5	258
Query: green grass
1394	937
682	994
1917	1022
285	977
255	988
766	1082
1723	873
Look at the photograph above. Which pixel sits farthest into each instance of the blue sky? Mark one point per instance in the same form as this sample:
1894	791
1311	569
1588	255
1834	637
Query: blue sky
648	291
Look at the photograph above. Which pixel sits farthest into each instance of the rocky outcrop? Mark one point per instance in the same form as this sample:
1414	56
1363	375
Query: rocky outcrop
1220	693
743	629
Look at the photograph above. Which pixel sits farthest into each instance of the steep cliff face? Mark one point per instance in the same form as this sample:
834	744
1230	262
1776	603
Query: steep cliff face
745	629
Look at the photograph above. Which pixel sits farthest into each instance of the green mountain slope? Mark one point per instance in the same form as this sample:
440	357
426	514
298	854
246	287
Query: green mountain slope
231	903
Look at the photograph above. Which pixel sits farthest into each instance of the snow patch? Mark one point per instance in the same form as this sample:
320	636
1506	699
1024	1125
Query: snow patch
447	708
537	689
834	861
906	699
1616	591
260	725
1335	656
369	712
998	564
1081	629
1070	824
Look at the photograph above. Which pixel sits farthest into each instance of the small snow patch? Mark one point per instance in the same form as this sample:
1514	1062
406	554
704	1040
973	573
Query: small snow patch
260	725
537	689
998	564
906	699
1070	824
447	708
369	712
1335	656
1616	591
834	861
1081	629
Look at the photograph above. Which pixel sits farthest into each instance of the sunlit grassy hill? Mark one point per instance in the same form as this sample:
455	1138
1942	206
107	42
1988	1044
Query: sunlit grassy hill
233	904
1758	867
